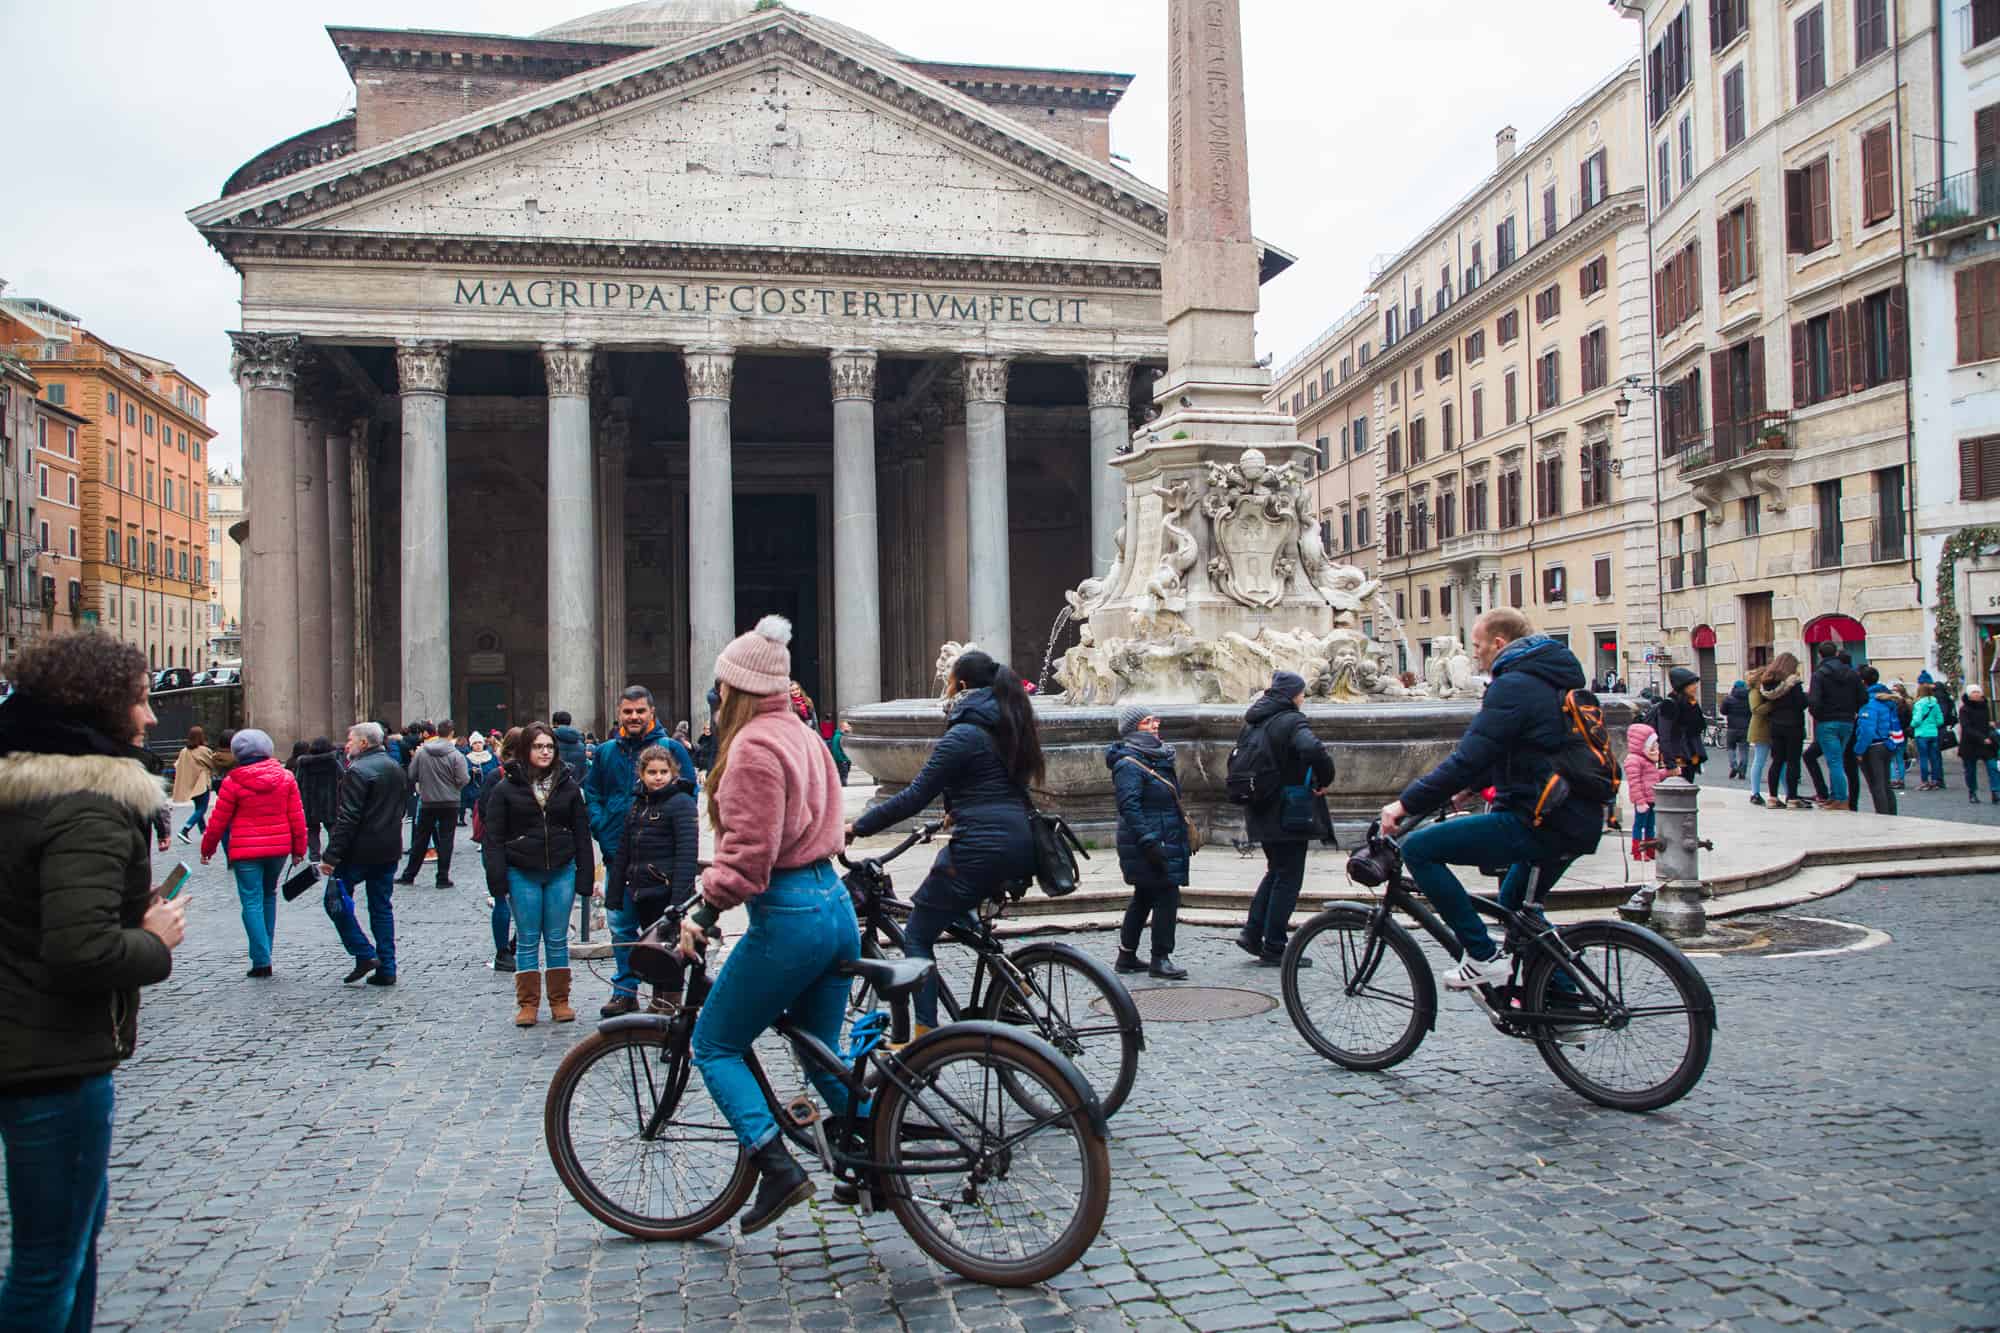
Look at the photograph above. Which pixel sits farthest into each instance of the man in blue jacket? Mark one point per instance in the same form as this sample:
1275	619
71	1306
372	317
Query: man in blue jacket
1878	737
1510	746
608	790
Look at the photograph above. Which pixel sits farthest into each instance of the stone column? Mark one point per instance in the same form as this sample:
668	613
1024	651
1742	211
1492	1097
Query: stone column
613	440
313	595
711	515
986	504
267	368
363	530
572	608
1110	414
857	587
342	708
423	370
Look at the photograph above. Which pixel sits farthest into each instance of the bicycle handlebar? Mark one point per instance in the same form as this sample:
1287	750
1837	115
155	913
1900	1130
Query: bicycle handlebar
922	833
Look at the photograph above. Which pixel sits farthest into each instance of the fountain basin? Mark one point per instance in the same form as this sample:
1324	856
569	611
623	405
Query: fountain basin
1378	749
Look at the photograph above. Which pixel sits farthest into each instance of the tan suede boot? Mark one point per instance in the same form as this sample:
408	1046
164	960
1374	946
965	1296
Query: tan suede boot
527	995
559	1009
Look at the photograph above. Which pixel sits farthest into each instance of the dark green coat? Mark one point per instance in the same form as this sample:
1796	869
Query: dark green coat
75	881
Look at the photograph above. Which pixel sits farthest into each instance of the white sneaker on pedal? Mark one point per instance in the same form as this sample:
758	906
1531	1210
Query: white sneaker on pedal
1472	972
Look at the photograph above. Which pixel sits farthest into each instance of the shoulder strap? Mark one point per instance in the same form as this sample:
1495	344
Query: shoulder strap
1148	770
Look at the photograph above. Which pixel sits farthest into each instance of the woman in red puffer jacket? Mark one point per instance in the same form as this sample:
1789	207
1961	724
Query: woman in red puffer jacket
258	810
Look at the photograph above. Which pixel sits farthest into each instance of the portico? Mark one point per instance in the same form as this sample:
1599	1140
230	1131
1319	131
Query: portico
603	384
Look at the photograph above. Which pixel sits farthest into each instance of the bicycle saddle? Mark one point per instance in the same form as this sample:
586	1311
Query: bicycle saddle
889	976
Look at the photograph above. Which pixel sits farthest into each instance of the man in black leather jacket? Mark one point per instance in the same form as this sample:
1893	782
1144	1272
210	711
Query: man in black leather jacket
367	841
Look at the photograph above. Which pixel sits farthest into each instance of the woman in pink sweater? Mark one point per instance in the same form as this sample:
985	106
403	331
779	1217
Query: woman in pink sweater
774	799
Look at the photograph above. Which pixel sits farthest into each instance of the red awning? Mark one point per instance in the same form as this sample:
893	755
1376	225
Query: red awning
1704	636
1841	629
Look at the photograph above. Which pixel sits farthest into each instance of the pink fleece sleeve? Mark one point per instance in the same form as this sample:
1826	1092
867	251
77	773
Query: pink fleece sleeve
751	800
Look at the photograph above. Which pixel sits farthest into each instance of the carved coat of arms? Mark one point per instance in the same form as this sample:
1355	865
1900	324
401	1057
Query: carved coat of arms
1253	515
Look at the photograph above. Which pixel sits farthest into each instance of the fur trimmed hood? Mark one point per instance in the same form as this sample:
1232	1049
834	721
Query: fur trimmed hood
27	778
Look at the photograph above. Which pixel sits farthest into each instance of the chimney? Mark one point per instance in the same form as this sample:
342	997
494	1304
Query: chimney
1503	145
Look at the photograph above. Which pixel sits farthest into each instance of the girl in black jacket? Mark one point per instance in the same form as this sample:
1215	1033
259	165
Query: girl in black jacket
654	866
538	858
1152	839
1680	723
983	767
1976	745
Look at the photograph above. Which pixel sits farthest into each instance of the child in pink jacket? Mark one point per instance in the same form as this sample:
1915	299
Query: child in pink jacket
1642	774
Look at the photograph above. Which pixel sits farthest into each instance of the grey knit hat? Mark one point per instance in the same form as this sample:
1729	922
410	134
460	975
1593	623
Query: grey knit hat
1130	716
249	745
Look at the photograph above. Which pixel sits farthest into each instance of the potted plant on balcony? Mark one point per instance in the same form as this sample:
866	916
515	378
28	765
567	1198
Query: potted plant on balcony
1942	218
1771	435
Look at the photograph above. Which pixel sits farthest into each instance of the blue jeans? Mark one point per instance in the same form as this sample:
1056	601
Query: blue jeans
503	926
541	899
1972	776
1898	763
257	894
781	967
1739	754
380	882
199	819
1930	760
624	924
1643	824
1760	755
1835	739
58	1161
1479	840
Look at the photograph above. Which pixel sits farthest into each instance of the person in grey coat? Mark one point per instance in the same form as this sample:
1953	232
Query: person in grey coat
439	773
1153	846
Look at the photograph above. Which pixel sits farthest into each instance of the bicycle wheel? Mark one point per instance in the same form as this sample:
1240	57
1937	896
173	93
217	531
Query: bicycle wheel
685	1181
1361	1006
1652	1053
1077	1005
1028	1198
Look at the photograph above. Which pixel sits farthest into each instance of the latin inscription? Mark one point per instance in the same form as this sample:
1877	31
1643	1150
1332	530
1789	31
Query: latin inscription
754	300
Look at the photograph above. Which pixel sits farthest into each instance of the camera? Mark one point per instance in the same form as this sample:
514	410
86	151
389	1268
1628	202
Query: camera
1376	861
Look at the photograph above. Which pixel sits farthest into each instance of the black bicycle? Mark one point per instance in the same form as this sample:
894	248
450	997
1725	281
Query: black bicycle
1060	993
999	1188
1615	1010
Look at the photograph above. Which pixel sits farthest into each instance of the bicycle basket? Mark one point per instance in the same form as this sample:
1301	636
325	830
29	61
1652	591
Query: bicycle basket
657	960
1376	861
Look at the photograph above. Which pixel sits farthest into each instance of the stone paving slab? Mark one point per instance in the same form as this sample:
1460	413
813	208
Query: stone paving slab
294	1154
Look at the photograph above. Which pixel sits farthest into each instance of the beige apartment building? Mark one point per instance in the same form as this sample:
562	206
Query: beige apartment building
1507	459
225	567
1775	134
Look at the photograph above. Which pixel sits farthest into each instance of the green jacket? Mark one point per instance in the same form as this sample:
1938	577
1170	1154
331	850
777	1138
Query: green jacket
75	881
1928	719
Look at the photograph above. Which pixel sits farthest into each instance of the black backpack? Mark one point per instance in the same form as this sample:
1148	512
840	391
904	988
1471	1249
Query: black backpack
1253	776
1582	769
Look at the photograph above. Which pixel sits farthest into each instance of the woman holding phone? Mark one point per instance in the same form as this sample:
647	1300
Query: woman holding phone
81	930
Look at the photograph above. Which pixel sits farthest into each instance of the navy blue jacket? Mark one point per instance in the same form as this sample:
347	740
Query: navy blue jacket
989	812
1149	814
570	749
1301	757
655	864
614	776
1512	743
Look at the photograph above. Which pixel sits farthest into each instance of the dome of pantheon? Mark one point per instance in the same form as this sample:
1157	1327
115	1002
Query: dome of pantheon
664	22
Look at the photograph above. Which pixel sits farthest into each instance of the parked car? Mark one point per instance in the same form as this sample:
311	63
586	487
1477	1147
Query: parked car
220	676
173	678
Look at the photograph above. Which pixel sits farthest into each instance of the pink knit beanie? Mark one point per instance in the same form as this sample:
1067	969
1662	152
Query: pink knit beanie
758	662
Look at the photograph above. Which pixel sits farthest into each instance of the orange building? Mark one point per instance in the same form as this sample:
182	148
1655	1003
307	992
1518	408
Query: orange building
55	472
141	477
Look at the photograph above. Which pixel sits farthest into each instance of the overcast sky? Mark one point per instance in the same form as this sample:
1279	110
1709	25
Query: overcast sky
1368	118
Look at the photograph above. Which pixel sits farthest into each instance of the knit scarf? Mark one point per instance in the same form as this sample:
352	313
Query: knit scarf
1148	742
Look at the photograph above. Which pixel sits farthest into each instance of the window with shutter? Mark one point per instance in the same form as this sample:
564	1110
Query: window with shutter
1871	29
1978	297
1819	205
1548	212
1735	120
1796	241
1809	51
1979	468
1986	156
1444	426
1514	590
1478	413
1877	201
1601	577
1512	395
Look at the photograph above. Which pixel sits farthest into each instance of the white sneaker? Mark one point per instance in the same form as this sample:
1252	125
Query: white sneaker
184	836
1472	972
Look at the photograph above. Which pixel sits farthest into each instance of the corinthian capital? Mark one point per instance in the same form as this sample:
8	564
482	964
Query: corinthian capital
265	360
986	378
1111	381
423	365
710	371
568	368
853	372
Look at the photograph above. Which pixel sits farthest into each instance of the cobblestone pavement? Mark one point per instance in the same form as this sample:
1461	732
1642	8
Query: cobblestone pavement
295	1154
1947	804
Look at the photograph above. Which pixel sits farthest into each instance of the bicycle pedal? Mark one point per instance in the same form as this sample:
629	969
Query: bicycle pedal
803	1111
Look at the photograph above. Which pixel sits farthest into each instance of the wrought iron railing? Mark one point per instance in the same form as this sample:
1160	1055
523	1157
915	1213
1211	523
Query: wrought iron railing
1955	201
1731	440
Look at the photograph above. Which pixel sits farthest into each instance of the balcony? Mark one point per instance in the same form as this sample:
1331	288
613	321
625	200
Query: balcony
1469	546
1956	206
1733	443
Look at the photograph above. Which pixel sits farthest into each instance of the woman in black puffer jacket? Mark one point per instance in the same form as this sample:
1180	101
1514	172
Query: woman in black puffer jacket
538	858
983	768
1153	846
318	772
656	859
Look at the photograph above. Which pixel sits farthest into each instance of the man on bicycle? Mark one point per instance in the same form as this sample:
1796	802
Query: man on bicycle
1510	746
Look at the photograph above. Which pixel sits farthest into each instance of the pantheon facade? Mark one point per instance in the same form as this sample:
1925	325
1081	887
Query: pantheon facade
565	357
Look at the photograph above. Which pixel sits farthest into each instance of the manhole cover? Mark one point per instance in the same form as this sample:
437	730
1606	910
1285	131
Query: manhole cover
1194	1004
1794	936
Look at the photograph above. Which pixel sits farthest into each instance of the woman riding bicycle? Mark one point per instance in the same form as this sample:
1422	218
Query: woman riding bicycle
987	760
774	799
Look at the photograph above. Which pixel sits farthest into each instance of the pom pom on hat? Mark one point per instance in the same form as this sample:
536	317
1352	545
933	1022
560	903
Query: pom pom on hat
759	662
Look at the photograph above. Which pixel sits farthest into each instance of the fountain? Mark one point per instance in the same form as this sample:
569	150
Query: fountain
1220	576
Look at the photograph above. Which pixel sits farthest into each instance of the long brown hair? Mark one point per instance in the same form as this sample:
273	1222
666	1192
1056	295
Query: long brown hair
508	743
737	709
1783	667
196	738
524	749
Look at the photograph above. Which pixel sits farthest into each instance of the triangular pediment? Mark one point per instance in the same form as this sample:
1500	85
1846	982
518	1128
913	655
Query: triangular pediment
774	132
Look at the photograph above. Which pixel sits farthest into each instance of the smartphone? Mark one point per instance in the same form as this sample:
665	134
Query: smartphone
176	878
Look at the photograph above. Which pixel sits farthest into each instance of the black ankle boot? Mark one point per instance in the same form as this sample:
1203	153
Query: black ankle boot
1164	968
781	1183
1128	961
